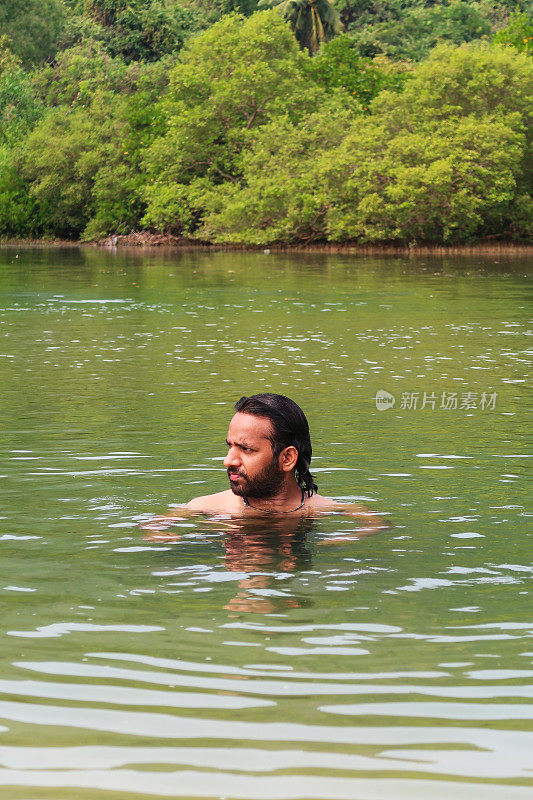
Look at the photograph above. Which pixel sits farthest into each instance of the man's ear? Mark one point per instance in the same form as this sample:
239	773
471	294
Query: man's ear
288	458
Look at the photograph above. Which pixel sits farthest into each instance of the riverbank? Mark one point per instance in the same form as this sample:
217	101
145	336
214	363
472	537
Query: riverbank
145	240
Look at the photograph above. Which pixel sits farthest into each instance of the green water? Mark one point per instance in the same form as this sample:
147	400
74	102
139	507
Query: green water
266	663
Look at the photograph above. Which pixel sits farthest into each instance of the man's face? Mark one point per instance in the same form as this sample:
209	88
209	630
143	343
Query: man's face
252	469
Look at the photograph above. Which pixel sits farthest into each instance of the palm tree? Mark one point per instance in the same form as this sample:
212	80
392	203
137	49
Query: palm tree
313	21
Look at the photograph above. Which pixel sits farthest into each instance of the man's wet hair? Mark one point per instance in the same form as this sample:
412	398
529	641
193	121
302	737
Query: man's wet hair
289	428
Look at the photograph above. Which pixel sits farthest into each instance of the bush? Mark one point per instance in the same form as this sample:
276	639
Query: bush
20	105
33	28
230	80
339	64
19	213
143	30
517	33
62	158
444	161
443	184
282	195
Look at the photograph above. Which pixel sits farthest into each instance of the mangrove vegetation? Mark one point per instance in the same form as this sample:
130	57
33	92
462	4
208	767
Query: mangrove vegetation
244	122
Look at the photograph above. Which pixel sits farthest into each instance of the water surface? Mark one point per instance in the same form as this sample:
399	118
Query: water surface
283	661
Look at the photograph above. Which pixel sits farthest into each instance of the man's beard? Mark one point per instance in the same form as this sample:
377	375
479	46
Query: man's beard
263	486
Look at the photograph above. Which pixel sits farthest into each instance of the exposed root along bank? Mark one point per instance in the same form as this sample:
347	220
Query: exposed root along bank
145	239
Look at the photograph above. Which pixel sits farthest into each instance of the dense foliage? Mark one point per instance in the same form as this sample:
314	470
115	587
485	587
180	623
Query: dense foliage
32	28
313	21
446	159
225	123
411	28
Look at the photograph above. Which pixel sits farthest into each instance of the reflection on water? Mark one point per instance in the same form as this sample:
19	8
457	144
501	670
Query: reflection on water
243	658
282	547
258	547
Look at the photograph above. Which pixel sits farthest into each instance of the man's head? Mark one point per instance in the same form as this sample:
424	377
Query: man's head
268	441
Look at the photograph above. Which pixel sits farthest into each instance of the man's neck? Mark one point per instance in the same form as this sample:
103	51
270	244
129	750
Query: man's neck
287	498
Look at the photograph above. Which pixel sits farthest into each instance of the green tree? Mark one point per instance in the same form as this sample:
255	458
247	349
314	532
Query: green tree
119	184
20	105
61	158
417	29
80	71
230	80
143	30
32	27
19	213
444	161
313	21
458	81
20	110
74	133
338	64
282	195
518	33
82	161
443	183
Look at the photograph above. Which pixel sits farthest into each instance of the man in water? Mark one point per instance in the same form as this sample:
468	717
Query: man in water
268	460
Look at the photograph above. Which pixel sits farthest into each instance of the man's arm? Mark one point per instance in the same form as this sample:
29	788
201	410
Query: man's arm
370	521
207	504
163	521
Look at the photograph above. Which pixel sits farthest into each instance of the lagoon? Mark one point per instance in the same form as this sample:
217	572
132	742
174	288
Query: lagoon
269	663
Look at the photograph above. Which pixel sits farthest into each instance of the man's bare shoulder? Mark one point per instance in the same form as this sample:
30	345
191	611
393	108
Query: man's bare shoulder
324	504
220	502
329	504
321	503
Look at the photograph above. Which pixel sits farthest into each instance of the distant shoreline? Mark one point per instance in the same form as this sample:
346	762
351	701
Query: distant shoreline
143	241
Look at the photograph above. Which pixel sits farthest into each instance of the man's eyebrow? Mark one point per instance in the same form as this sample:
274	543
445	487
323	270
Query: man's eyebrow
240	444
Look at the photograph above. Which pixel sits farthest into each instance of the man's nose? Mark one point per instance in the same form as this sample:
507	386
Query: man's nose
232	459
